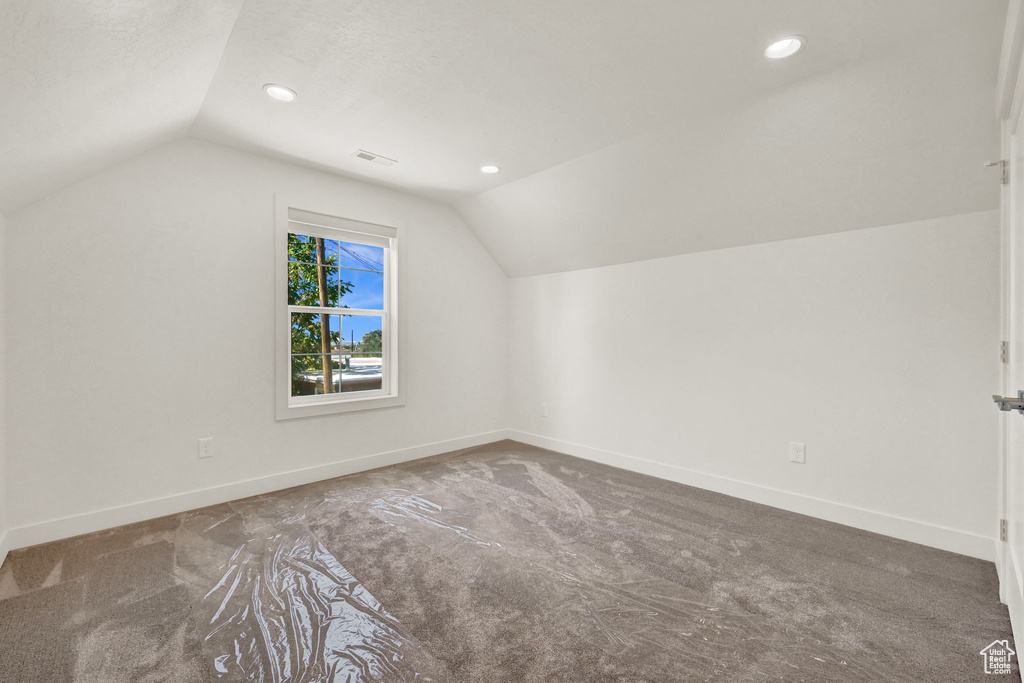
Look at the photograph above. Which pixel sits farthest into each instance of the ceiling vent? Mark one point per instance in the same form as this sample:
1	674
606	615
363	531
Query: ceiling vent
375	158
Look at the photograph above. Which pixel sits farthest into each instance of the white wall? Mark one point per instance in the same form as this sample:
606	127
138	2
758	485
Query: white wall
877	348
143	300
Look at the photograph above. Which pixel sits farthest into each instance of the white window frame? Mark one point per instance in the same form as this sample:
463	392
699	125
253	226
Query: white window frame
316	220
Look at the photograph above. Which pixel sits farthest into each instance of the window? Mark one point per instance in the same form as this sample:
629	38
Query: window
337	314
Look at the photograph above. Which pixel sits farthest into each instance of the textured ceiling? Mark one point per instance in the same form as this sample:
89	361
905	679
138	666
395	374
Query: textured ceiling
625	130
87	83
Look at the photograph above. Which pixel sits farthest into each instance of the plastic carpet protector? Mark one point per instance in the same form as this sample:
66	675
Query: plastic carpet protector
284	608
635	613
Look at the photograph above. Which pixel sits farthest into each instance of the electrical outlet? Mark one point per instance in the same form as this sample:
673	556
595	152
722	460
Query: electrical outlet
797	452
206	447
543	409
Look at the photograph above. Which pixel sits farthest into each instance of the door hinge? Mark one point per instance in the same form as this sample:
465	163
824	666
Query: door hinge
1004	170
1004	352
1003	530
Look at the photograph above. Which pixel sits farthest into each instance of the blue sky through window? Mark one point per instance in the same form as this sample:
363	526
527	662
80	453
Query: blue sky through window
354	325
362	256
345	254
367	289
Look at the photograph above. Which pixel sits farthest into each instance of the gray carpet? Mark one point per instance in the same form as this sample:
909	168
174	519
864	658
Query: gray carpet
501	563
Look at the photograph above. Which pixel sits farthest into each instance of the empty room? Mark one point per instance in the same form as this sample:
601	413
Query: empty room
568	341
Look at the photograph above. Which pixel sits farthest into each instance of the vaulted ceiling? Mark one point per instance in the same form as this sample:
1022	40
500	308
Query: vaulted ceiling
625	130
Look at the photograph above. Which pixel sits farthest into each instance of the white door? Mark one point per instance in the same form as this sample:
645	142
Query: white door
1011	553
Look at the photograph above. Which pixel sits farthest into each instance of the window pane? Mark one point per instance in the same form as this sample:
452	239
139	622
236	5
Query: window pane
360	256
308	331
361	347
307	250
304	285
362	289
307	376
301	248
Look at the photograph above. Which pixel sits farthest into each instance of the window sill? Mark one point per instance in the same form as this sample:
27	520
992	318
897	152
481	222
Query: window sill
342	405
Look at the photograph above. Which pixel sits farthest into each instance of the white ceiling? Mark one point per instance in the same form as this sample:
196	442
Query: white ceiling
625	130
86	84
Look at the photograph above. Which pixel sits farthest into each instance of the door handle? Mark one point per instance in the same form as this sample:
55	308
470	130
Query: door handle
1007	404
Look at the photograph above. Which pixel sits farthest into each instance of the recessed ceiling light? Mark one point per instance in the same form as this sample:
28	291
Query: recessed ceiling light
279	92
490	168
785	47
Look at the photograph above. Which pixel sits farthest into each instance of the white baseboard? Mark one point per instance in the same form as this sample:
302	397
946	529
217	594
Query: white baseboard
98	520
879	522
903	528
1014	604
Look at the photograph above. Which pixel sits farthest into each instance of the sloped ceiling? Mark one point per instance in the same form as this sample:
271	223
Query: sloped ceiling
84	84
625	130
